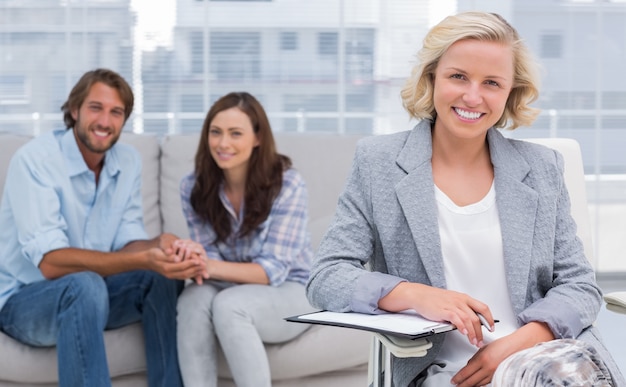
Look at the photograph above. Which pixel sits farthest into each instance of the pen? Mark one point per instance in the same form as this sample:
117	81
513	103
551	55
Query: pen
483	322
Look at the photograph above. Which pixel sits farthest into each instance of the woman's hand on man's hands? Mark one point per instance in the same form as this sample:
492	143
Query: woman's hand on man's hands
188	250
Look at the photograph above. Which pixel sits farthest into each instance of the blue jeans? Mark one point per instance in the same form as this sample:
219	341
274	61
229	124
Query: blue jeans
73	311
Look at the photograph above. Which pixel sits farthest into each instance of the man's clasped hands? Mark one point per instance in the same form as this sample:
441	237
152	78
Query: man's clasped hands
180	259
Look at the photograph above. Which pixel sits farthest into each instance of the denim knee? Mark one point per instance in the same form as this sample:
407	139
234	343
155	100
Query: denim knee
88	291
169	287
160	290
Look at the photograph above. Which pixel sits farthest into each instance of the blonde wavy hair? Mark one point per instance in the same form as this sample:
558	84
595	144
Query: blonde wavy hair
417	94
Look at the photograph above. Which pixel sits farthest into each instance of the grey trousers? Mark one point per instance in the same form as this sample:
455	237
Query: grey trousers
240	318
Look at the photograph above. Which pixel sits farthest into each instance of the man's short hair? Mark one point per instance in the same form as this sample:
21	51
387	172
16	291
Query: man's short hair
83	86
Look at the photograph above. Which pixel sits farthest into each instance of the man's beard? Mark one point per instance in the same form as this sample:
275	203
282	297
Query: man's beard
83	137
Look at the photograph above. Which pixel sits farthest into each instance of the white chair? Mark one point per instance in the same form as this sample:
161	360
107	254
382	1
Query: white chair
379	370
575	181
616	302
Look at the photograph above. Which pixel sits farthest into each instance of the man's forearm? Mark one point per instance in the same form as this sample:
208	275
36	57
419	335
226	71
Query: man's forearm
163	241
60	262
140	245
155	254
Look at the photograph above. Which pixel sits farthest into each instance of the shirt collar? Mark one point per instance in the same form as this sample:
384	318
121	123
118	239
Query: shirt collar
229	207
76	163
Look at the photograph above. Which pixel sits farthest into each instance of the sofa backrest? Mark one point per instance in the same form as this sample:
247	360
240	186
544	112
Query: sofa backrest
177	154
148	147
9	143
324	161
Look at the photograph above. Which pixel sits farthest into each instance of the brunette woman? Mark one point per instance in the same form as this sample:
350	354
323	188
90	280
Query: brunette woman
246	209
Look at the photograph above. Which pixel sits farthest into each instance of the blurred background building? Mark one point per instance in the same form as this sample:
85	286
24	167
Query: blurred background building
324	65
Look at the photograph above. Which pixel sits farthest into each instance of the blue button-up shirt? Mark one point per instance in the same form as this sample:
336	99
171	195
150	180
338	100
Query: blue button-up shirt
281	244
51	201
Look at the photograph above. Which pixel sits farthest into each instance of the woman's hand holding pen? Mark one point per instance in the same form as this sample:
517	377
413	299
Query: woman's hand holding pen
441	305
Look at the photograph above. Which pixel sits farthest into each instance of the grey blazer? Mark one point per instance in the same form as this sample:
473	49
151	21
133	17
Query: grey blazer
386	218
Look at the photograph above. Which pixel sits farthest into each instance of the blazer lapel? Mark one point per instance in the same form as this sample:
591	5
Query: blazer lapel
416	195
517	207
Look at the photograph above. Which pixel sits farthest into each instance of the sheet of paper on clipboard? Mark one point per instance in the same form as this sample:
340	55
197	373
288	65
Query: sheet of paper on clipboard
406	324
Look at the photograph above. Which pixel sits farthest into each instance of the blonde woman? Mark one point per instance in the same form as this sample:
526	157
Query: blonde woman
456	220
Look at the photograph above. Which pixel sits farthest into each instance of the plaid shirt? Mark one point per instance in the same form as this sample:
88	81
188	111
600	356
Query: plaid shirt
280	244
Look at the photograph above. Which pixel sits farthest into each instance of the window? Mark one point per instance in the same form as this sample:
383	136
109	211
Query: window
551	45
311	109
196	50
334	66
235	56
359	49
57	82
241	1
327	43
614	100
191	103
570	99
13	89
288	41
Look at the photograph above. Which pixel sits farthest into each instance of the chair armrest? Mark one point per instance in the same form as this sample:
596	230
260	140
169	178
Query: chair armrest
401	347
616	302
379	365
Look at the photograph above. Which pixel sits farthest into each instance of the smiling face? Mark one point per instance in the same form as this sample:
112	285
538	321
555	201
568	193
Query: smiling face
472	84
231	141
99	122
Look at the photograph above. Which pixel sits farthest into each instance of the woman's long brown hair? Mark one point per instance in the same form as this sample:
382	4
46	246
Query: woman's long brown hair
264	177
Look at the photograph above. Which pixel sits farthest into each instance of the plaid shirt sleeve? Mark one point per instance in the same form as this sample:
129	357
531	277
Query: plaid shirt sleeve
287	236
198	230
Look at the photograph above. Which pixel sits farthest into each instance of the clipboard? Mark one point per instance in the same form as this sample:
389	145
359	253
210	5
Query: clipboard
406	324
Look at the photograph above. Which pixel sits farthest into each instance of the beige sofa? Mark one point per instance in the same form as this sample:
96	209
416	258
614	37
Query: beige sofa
322	356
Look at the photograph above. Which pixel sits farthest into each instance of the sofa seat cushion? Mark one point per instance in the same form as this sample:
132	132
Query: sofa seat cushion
25	364
319	350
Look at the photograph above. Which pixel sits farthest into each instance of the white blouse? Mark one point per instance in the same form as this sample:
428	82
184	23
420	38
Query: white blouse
471	245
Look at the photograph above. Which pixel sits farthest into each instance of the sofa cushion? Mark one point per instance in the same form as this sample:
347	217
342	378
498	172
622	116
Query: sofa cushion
9	144
311	353
319	350
324	161
25	364
148	147
177	159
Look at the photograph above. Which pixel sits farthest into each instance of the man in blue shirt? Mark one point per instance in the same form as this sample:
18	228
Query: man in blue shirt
76	259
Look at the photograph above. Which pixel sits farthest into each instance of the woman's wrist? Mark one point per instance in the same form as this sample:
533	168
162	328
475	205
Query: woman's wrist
533	333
